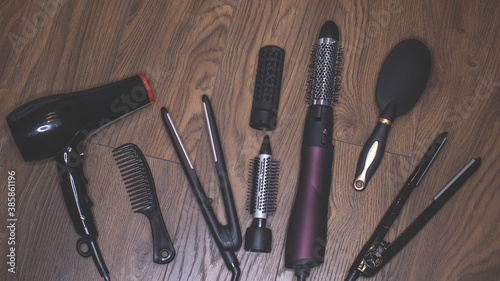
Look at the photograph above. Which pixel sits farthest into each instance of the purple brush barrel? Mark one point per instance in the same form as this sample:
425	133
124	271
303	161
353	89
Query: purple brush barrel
307	228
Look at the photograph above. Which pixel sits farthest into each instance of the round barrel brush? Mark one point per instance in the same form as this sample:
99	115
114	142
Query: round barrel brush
261	201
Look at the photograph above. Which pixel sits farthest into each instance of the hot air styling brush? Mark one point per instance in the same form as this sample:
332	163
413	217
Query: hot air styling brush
307	228
261	203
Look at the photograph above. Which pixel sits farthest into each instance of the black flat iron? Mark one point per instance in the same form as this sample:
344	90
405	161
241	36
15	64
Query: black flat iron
377	252
227	237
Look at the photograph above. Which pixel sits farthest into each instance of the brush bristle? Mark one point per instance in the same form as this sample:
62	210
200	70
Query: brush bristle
325	71
136	176
263	186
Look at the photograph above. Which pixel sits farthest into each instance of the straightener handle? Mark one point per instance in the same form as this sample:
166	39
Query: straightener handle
438	202
232	228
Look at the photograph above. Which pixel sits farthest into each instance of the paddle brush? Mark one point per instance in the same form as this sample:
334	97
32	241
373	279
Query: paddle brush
401	81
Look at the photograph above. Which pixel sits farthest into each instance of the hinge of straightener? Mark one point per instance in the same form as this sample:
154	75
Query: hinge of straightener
385	244
373	259
362	266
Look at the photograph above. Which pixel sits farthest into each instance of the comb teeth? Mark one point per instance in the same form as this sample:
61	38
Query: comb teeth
263	186
136	176
325	70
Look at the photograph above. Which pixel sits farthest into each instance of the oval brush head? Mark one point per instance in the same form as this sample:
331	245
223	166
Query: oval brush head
261	201
325	67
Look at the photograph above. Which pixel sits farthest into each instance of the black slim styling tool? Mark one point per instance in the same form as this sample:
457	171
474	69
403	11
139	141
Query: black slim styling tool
307	228
377	252
227	237
142	192
261	201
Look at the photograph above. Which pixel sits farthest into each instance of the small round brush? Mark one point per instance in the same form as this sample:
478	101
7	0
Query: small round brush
261	202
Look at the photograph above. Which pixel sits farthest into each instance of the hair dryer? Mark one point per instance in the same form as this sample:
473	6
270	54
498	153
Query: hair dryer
58	125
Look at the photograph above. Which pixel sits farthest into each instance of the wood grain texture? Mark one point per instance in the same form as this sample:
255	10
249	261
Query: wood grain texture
370	31
264	23
465	102
124	237
178	46
353	215
55	54
11	12
190	48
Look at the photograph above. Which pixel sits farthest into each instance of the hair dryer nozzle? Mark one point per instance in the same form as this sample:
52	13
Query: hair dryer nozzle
43	127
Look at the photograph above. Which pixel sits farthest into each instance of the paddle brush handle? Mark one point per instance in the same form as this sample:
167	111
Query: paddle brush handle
374	148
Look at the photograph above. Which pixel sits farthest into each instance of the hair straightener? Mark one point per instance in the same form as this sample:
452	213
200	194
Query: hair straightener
377	252
227	237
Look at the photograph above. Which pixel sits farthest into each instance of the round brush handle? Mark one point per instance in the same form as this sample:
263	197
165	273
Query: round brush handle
307	228
374	148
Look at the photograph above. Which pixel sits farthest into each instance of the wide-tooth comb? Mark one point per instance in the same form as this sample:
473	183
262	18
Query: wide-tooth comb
325	71
142	194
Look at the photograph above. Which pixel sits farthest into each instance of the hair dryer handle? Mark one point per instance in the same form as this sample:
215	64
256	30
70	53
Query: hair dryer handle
69	164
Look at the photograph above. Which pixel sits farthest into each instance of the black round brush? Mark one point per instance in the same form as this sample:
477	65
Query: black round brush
267	88
261	203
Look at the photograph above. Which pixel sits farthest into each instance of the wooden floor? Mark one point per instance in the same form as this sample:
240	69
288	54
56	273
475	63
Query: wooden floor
190	48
